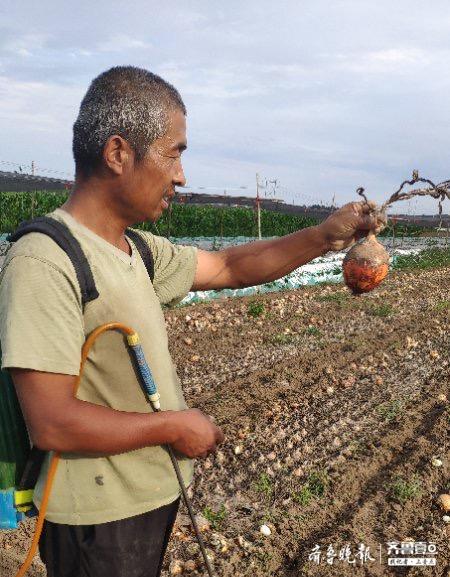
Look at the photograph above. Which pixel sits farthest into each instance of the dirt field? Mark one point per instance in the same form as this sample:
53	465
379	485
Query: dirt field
334	409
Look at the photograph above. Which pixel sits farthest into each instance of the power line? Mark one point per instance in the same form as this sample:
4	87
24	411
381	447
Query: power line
271	187
212	187
33	168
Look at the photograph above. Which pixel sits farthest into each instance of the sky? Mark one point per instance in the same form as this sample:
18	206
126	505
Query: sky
321	96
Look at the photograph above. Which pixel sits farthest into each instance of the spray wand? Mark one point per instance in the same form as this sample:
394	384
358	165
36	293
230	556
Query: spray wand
149	386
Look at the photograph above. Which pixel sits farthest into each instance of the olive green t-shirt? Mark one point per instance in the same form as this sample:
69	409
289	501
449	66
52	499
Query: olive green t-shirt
43	327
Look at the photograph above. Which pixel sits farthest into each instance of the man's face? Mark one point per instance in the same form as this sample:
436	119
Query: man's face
153	180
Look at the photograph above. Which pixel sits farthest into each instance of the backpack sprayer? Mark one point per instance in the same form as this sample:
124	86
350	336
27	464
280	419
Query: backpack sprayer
148	384
16	498
20	465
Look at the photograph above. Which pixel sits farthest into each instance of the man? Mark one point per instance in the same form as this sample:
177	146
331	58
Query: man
115	495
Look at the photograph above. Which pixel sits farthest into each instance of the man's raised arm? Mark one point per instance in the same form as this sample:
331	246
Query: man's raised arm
267	260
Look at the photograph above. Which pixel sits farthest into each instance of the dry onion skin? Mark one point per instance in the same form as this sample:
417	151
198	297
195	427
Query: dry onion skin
365	265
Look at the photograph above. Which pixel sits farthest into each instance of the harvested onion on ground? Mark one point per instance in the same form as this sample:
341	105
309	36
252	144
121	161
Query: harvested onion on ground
444	502
265	530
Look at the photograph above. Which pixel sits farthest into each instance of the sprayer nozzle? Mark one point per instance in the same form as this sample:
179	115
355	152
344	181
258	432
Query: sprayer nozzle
133	339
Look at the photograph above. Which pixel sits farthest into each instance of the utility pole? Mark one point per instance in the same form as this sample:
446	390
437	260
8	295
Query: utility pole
258	207
32	167
221	216
394	220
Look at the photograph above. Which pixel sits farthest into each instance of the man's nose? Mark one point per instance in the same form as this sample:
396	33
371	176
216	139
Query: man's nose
179	179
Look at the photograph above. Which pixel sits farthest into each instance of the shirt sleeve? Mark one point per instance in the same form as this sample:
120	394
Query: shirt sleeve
175	267
41	320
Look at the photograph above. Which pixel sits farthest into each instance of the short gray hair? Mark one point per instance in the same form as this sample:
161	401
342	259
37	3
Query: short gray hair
128	101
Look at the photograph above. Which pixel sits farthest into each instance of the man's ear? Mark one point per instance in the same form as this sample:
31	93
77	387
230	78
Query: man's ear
117	154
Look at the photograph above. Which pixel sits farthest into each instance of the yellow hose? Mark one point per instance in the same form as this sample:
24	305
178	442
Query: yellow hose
55	458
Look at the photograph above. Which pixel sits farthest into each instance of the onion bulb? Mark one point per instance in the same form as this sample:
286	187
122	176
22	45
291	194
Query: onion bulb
365	265
265	530
444	502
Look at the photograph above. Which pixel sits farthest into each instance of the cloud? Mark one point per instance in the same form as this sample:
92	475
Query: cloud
398	56
388	61
39	106
26	44
122	42
210	82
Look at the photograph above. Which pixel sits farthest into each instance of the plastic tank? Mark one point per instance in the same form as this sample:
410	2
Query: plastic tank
14	441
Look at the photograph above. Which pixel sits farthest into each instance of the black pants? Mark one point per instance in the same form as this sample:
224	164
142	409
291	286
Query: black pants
132	547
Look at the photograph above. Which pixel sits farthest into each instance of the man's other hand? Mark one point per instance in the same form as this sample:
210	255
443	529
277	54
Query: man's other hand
196	434
350	223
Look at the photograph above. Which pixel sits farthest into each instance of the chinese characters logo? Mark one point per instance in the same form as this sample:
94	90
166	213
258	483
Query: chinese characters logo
394	553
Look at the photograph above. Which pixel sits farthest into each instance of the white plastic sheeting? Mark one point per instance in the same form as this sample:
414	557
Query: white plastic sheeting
323	269
327	268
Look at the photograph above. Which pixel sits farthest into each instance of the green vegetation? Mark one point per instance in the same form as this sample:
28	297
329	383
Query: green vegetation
215	518
263	558
303	496
429	258
327	282
318	482
314	488
179	221
283	339
403	490
18	206
314	331
264	485
390	411
442	305
403	229
384	310
183	220
255	308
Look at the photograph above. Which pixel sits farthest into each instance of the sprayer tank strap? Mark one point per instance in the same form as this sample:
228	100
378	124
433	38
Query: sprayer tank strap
61	234
144	251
